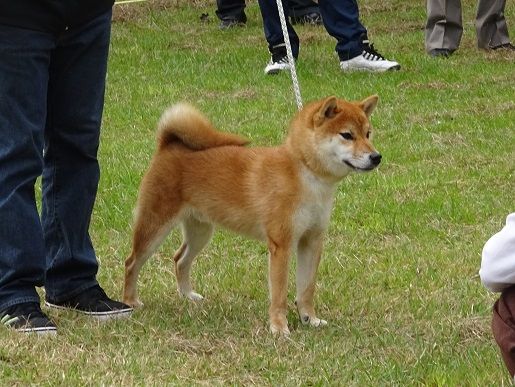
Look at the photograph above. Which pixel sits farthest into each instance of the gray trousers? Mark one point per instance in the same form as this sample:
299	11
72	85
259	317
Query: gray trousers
444	25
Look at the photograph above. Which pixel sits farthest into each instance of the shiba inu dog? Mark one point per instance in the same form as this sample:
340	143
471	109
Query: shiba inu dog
200	177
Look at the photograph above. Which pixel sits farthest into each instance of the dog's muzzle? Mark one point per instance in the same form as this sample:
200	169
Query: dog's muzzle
374	161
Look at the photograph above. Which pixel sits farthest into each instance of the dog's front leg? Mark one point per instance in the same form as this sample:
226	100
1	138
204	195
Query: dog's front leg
309	252
278	284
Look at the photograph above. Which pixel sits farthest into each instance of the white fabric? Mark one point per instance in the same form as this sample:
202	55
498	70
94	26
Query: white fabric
498	259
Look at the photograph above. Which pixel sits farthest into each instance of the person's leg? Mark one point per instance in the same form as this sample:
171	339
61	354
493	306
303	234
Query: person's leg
341	20
444	25
24	62
71	170
304	12
491	27
231	11
503	327
272	27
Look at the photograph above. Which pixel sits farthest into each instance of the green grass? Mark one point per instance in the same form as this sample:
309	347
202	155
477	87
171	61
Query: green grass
398	282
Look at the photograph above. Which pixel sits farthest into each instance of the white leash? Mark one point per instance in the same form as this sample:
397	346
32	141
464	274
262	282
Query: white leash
291	60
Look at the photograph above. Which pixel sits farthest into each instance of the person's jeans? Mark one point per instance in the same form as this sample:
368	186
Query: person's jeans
272	26
231	10
51	102
340	18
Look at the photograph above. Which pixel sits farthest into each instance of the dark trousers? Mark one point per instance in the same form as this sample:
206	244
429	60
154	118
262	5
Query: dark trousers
444	26
235	9
231	9
340	17
503	327
51	102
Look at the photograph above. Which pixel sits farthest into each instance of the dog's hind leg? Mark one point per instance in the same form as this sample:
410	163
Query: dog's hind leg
149	233
309	252
196	235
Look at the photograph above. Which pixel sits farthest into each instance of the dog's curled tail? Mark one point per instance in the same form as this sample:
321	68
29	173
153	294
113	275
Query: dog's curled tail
184	124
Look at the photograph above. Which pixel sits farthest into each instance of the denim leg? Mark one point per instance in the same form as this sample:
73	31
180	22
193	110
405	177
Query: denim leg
71	170
24	61
231	9
272	26
341	20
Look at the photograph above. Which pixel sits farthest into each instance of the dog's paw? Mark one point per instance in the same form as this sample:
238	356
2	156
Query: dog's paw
313	321
193	296
133	303
279	330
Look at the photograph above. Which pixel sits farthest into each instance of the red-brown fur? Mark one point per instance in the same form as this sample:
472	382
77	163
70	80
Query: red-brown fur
200	177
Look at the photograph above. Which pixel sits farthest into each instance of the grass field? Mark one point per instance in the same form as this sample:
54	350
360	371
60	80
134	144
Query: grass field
398	282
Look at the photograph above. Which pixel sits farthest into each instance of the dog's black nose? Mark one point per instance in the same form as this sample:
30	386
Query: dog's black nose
375	158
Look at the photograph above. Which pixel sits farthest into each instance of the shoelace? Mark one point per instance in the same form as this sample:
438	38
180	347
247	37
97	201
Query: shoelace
282	60
8	320
370	53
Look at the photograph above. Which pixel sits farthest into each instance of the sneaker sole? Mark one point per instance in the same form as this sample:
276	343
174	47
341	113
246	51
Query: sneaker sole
276	70
101	316
42	331
371	70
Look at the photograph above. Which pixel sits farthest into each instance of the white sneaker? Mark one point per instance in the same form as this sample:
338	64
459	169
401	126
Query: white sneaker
369	60
274	67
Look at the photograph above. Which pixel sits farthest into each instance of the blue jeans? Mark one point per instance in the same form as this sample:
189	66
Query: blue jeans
340	17
51	102
235	9
231	9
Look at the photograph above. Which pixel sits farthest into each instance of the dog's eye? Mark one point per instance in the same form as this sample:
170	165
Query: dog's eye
347	135
368	134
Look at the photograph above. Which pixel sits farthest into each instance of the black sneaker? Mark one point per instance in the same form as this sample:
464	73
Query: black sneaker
277	65
95	303
279	61
28	318
441	53
312	18
506	46
231	23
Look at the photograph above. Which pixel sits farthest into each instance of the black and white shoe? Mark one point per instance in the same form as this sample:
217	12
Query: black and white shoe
277	65
95	303
312	18
441	52
279	60
505	46
369	60
27	318
227	24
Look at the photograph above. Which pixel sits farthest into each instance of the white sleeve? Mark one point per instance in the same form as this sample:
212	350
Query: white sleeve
498	259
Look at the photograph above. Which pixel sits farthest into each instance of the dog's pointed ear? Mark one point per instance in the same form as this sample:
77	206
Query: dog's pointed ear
369	104
328	109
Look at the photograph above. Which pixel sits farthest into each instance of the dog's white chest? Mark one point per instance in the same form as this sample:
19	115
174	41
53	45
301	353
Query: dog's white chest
315	207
